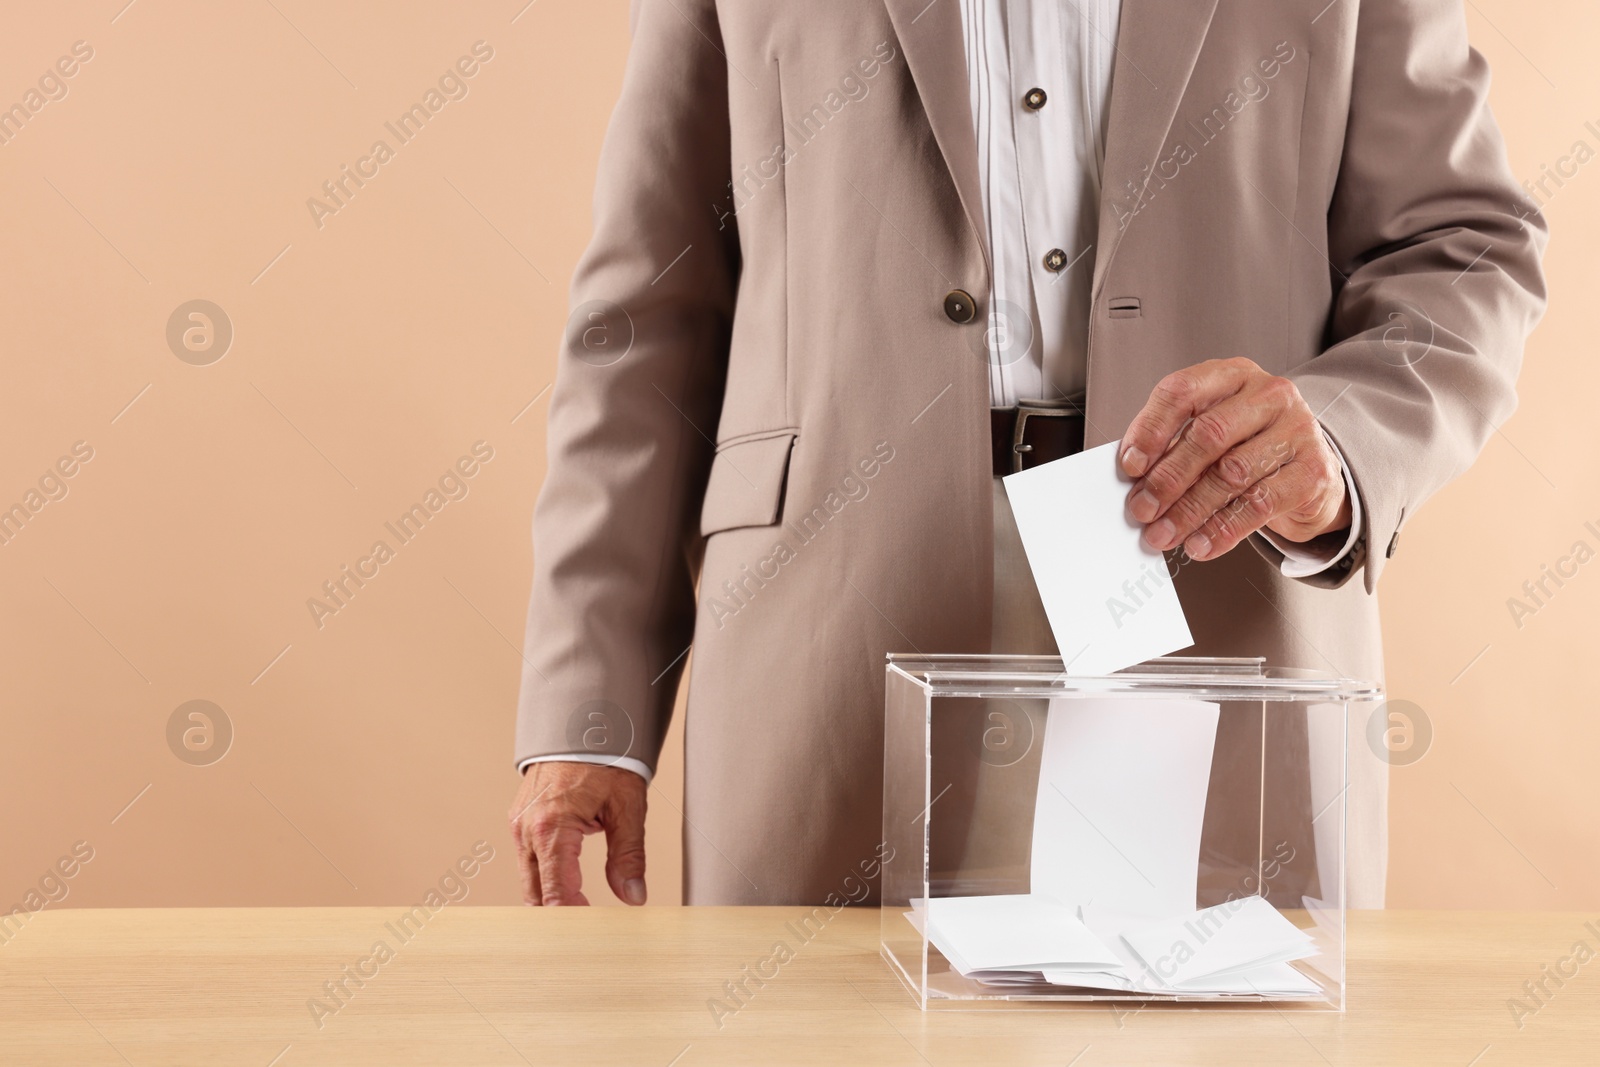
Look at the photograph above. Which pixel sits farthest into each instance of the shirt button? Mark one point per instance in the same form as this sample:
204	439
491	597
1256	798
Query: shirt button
959	305
1055	260
1034	99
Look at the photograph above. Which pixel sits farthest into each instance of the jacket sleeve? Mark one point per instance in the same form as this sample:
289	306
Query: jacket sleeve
1436	258
635	403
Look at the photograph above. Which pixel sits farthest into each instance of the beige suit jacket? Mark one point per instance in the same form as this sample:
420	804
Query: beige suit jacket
767	438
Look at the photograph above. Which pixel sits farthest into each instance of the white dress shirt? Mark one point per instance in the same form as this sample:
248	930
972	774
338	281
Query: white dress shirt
1039	74
1039	77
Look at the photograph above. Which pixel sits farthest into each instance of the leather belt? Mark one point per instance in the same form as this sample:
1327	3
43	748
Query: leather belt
1035	432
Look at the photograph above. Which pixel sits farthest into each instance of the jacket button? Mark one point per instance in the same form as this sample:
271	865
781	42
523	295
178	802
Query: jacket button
1055	260
1034	99
959	305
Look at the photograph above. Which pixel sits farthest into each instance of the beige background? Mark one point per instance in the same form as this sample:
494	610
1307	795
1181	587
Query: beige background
372	352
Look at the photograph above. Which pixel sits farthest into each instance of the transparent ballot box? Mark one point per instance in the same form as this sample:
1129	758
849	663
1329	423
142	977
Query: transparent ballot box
1172	833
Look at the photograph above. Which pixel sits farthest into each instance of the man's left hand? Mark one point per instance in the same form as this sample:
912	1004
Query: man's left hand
1222	449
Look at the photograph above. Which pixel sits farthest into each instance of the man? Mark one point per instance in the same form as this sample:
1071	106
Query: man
1272	245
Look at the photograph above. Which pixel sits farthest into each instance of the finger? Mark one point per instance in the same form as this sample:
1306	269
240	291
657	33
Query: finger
1175	399
1223	482
1274	495
527	869
624	823
1201	443
558	841
1325	506
522	835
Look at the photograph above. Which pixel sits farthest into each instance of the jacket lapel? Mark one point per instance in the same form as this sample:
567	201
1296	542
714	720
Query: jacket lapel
930	36
1157	45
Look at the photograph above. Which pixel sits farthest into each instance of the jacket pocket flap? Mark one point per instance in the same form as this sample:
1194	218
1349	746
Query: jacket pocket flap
746	483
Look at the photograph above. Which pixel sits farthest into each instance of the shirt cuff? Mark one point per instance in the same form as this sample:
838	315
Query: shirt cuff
627	763
1302	559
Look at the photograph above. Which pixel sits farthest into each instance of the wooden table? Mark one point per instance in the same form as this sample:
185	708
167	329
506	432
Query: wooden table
616	986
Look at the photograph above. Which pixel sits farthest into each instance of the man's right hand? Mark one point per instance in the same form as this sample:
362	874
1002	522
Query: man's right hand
558	804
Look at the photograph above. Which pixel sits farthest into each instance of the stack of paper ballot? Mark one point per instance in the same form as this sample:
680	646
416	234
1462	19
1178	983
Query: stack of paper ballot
1243	947
1115	870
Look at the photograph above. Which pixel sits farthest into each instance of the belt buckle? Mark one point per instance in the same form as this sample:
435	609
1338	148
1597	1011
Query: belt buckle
1019	447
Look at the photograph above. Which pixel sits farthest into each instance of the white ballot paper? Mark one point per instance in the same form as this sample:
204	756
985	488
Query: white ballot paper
1121	799
1239	936
1253	958
993	933
1108	596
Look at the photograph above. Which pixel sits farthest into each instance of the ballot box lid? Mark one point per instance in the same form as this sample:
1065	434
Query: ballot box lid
1201	677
